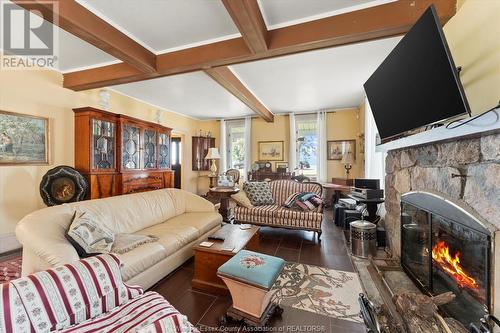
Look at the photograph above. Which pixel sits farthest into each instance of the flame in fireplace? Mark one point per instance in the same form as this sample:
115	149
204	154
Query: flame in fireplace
451	265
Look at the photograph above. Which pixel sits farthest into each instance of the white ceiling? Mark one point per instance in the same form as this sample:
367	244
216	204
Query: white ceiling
193	94
281	13
163	25
330	78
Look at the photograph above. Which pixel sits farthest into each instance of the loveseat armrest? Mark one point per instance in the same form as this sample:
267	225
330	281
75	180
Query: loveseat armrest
43	233
197	204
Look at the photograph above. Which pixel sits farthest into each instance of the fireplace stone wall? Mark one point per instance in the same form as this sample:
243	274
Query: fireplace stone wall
467	170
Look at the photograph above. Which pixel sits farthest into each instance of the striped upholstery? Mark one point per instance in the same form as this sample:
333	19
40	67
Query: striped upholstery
256	214
283	188
278	216
85	296
13	316
138	315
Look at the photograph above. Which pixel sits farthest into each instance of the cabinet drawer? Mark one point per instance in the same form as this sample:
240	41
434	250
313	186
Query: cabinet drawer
142	182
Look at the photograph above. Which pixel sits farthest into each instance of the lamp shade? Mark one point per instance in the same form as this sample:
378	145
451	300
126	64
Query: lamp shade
213	154
347	158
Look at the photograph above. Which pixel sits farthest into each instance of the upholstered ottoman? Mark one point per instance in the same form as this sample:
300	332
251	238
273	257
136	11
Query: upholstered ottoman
249	277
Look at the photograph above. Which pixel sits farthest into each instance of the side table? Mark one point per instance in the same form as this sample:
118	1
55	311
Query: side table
224	194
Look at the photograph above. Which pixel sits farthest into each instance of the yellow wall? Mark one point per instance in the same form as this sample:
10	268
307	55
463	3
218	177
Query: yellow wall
279	130
341	125
473	35
345	125
40	93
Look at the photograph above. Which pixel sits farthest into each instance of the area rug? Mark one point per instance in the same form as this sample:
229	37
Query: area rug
320	290
10	269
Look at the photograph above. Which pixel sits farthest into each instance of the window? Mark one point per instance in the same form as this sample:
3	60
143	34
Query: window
236	145
307	144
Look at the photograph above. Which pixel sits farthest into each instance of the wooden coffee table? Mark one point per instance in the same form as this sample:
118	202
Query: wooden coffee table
208	259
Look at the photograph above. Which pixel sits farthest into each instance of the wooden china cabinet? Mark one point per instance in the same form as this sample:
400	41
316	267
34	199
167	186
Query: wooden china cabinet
118	154
200	145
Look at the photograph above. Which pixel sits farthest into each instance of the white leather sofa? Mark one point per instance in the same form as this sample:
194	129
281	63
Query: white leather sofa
179	218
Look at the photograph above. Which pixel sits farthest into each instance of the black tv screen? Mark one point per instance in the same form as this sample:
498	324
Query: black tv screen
417	84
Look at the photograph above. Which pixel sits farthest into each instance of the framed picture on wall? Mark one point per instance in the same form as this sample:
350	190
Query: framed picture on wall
337	148
23	139
271	150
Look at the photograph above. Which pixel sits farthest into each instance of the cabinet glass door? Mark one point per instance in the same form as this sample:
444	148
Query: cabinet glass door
130	146
103	138
149	149
164	151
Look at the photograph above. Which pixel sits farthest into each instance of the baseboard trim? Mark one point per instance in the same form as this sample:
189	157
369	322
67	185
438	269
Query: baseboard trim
8	242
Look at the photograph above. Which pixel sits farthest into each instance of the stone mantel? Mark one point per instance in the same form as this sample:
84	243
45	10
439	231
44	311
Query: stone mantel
484	125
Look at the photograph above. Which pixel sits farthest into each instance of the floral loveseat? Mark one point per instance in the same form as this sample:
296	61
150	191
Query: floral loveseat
277	215
86	296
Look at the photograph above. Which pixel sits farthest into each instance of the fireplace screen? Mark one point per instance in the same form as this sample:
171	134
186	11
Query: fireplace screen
444	248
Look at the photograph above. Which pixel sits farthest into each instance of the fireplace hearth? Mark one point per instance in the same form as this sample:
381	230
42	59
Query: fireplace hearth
445	248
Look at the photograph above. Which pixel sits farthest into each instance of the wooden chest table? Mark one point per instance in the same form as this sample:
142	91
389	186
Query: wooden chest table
208	259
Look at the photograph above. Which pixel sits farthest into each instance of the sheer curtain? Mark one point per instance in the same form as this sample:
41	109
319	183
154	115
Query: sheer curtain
248	146
321	159
374	161
223	147
292	152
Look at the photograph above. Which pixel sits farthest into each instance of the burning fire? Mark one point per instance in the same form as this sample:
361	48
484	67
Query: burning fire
451	265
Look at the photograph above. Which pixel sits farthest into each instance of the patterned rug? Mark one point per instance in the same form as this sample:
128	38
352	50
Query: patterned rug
10	269
320	290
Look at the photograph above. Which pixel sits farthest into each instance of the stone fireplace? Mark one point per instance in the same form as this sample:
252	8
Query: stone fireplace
443	220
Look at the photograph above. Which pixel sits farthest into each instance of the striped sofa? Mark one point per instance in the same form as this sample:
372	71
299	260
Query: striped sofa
85	296
278	216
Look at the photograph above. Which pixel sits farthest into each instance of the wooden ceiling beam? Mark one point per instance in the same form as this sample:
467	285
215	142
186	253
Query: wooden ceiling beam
248	18
226	78
377	22
82	23
182	61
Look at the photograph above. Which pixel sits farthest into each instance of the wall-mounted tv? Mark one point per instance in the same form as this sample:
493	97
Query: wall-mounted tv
418	83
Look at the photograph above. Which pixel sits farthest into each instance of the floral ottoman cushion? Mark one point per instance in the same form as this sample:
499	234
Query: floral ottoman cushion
253	268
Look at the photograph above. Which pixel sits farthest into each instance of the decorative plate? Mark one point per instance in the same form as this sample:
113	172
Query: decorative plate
62	184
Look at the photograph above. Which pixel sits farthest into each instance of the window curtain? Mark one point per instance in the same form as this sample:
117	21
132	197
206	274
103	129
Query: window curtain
223	147
292	152
321	158
374	161
248	146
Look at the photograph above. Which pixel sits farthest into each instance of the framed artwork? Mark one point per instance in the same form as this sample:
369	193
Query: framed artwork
282	165
23	139
271	150
337	148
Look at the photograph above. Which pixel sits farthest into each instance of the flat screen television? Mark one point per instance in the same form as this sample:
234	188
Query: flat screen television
417	84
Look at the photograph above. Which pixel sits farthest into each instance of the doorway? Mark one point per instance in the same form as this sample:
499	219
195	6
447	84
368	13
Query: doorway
176	159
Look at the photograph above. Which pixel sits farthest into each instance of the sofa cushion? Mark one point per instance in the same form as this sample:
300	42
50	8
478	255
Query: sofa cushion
242	199
133	212
203	222
259	193
297	218
257	214
141	258
66	295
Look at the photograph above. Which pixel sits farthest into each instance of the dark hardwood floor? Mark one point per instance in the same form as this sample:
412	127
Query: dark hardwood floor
204	309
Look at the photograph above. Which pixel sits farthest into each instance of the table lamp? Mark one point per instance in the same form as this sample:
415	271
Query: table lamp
213	154
347	160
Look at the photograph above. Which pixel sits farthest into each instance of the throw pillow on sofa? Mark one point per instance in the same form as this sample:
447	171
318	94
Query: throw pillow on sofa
242	199
259	193
88	236
309	203
306	201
